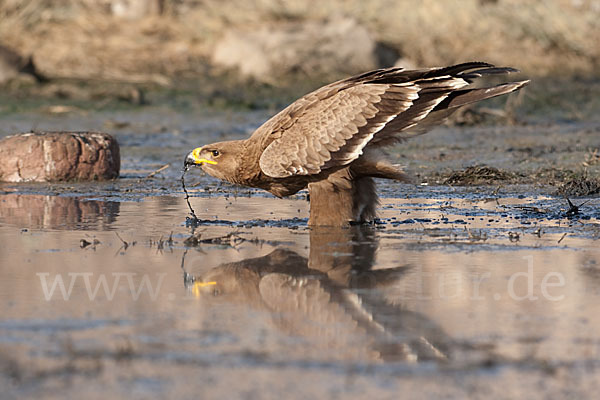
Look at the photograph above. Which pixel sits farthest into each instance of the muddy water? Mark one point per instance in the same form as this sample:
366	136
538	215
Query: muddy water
477	292
444	295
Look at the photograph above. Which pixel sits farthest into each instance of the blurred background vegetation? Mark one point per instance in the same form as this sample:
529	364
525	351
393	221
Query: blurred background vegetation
215	48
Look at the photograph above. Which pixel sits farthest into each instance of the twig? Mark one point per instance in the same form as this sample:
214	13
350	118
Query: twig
161	169
562	237
533	209
187	196
188	279
125	244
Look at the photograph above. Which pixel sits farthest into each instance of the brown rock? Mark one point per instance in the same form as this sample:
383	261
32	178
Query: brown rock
59	156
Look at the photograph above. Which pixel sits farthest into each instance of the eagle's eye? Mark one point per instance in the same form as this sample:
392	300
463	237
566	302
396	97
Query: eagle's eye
215	153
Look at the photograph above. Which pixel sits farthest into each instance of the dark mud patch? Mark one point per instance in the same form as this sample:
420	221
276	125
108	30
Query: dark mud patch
231	239
555	176
479	175
579	186
563	182
291	223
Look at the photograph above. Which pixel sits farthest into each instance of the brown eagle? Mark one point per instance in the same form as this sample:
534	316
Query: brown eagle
332	140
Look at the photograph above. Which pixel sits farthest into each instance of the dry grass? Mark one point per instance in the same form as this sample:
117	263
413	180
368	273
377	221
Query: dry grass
82	38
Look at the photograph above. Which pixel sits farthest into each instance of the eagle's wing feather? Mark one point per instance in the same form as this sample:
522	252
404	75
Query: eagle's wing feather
331	126
334	130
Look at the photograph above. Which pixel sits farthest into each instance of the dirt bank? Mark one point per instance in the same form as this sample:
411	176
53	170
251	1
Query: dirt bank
134	41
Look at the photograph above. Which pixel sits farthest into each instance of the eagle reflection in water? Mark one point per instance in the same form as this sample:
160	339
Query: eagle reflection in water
333	300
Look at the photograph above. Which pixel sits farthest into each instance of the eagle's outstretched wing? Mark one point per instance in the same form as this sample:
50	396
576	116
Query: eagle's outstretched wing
331	126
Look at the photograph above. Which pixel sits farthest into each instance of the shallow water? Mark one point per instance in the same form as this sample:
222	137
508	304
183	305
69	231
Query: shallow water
443	290
456	292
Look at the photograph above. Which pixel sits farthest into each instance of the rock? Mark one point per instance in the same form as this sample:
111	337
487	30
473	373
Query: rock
59	156
339	45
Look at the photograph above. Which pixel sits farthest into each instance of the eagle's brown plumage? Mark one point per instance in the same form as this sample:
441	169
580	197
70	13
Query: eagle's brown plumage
331	140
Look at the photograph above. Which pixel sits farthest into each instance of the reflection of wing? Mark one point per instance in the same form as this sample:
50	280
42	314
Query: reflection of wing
307	308
308	296
425	339
313	307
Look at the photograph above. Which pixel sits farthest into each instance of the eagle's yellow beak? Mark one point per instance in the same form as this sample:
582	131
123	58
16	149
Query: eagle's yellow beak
193	158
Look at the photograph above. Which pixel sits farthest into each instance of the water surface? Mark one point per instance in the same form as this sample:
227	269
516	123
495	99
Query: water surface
441	289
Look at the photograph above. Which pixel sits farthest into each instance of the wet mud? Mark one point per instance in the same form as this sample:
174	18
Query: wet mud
479	279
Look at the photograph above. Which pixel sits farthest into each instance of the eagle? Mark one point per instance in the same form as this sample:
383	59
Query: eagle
333	140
